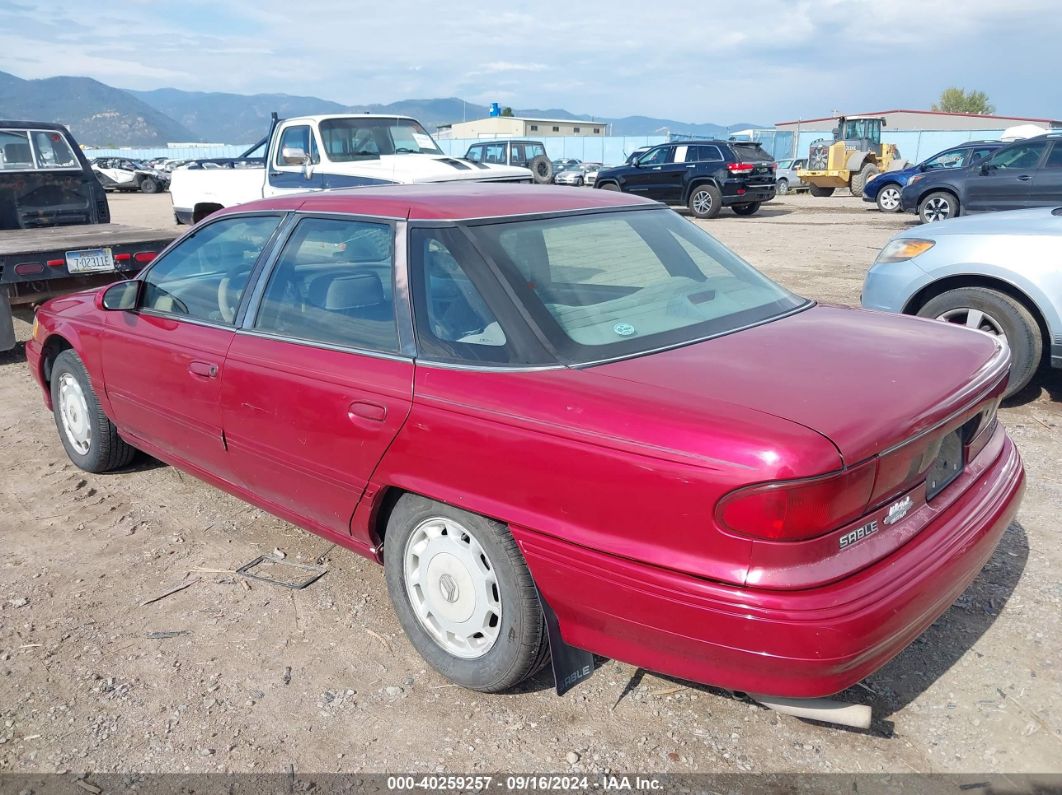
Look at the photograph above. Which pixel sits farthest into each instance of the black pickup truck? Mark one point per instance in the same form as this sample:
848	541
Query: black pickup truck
55	230
705	176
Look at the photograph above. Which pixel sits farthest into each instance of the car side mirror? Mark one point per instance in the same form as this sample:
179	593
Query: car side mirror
985	168
294	156
122	297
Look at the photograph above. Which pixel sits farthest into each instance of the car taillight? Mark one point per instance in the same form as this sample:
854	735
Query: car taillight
144	257
794	510
740	168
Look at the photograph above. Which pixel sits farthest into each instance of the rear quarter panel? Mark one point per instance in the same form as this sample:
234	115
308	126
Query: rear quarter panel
621	473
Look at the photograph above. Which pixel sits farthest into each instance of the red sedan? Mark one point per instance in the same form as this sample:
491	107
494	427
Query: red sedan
557	413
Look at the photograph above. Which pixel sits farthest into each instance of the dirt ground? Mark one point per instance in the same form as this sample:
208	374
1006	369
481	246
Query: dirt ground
323	679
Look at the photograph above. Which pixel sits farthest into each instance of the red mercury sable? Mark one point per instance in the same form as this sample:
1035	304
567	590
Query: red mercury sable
560	419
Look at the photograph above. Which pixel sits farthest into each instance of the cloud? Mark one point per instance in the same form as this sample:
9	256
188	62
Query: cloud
716	62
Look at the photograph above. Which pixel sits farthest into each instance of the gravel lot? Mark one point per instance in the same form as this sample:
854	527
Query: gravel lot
324	680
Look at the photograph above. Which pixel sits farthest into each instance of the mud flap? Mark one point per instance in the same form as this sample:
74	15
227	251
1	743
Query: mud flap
7	326
570	665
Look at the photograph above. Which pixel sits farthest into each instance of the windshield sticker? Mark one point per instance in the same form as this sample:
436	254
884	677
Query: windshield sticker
423	141
623	329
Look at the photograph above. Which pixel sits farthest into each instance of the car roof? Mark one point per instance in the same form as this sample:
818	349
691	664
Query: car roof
8	124
447	201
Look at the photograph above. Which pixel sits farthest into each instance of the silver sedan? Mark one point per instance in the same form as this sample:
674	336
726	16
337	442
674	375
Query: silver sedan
998	273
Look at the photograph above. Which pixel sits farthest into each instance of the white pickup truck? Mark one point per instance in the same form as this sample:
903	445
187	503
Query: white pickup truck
311	153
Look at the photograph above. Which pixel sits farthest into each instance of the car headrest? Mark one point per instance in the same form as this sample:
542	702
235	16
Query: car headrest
352	291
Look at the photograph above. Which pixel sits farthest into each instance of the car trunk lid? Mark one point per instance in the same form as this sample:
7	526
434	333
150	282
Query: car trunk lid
893	394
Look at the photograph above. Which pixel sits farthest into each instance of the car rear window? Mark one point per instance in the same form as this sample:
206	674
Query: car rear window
750	153
613	284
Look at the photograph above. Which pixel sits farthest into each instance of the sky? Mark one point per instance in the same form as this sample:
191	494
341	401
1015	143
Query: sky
708	61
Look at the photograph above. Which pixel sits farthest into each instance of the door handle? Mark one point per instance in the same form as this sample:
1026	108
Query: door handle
366	410
1024	177
203	369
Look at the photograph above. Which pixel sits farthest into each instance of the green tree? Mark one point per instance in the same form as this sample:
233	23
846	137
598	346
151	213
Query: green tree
958	100
507	111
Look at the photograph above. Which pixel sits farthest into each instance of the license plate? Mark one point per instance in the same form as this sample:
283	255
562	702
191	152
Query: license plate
90	260
946	467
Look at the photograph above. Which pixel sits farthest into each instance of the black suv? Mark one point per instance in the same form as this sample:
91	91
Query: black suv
705	176
1020	175
45	180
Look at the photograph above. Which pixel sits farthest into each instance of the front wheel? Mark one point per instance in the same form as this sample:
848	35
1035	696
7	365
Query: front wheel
706	201
938	206
90	438
608	186
746	209
815	190
997	313
149	185
888	199
464	595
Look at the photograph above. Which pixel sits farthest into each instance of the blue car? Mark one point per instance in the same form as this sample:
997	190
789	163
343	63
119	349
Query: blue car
884	189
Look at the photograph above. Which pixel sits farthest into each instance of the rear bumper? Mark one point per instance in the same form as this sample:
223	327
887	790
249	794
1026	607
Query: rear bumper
799	644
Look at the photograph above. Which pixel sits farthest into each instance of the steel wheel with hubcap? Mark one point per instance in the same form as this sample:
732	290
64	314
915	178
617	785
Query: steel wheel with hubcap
452	587
889	198
464	595
74	414
996	313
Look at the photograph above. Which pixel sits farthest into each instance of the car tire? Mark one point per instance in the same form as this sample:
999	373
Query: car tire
608	186
474	575
89	437
938	206
997	313
860	179
888	199
821	192
745	209
149	185
705	201
782	187
541	169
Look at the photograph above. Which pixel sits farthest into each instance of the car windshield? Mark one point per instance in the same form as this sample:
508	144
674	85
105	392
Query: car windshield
348	139
615	284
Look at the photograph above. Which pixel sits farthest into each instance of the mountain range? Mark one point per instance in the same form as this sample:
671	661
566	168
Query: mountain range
102	115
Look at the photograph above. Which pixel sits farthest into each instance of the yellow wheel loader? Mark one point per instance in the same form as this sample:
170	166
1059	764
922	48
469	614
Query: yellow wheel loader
854	157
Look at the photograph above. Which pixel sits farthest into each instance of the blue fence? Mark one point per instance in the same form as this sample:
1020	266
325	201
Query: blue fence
914	145
176	153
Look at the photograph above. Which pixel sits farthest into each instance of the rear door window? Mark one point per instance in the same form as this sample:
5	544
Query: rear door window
704	154
1054	160
334	283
